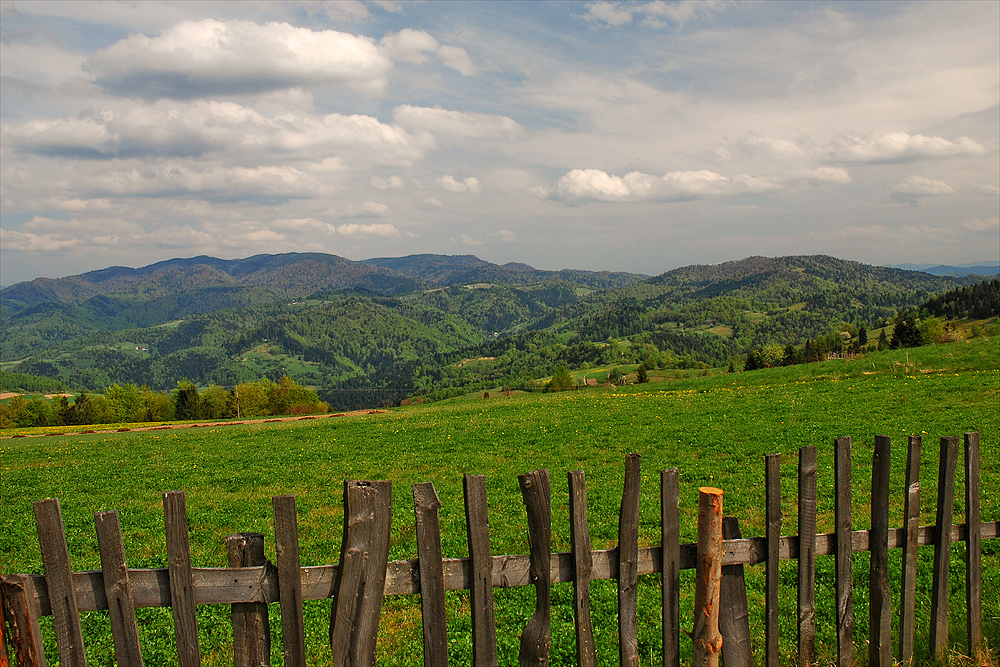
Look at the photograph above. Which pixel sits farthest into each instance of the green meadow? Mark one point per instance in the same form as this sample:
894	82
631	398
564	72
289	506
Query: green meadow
715	429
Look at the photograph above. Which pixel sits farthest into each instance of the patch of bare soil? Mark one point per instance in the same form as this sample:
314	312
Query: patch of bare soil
239	422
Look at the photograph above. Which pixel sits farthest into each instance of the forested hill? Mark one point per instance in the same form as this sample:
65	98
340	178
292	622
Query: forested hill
364	332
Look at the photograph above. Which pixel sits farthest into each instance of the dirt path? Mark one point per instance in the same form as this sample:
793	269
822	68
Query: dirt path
200	424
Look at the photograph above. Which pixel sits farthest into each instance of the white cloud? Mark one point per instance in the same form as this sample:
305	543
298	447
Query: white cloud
468	240
433	202
778	148
611	13
506	235
384	230
917	186
368	209
194	128
413	46
597	185
210	57
462	124
835	175
900	146
470	184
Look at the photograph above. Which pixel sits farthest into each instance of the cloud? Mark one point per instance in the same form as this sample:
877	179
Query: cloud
461	124
368	209
391	183
916	187
835	175
901	147
42	234
449	183
384	230
654	13
468	240
209	57
506	235
597	185
171	128
779	148
433	202
413	46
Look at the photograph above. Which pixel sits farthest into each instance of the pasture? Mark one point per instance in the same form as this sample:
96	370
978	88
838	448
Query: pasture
716	430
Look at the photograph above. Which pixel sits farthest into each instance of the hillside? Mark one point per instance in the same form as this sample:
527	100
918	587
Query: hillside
365	333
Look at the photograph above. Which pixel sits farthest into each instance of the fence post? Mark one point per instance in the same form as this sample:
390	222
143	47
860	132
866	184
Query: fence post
973	549
879	612
181	579
425	507
628	565
911	523
844	546
360	584
484	638
583	564
251	627
22	615
536	640
286	547
734	620
772	485
942	547
670	543
59	579
706	635
118	589
807	556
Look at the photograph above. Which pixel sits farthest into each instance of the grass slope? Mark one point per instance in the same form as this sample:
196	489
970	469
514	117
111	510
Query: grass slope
716	430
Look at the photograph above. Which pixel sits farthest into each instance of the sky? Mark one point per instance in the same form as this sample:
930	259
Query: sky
616	136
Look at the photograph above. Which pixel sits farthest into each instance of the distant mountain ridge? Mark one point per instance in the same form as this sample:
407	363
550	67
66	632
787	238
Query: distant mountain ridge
984	269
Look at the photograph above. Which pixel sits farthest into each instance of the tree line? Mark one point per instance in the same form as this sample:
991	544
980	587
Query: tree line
130	403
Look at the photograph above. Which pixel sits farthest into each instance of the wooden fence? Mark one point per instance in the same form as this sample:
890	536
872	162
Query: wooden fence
361	579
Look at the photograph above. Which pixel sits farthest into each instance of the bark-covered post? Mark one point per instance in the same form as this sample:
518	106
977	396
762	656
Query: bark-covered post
708	584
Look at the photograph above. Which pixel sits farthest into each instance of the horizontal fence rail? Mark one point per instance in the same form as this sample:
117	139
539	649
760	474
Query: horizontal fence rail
364	575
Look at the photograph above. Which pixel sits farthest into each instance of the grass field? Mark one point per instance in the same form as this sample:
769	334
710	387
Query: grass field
715	429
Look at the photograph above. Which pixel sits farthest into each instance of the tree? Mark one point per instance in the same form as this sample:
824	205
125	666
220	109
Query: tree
187	401
905	332
862	335
642	375
561	381
883	341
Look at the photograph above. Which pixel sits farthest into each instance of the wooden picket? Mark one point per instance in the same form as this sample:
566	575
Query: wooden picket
364	575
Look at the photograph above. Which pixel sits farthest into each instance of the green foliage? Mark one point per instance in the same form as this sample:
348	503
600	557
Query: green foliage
561	381
715	430
905	331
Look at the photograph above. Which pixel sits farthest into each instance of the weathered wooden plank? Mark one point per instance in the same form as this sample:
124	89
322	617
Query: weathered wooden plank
251	626
121	606
842	529
480	572
4	660
222	585
772	511
706	636
942	547
21	612
583	565
911	524
670	566
536	639
286	546
628	565
973	550
734	617
361	576
182	586
879	611
428	527
807	557
59	579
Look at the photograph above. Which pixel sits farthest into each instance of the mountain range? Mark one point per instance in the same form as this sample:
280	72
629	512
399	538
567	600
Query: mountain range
358	329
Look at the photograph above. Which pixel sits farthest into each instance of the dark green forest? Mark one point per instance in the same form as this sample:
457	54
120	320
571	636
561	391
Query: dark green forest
371	333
